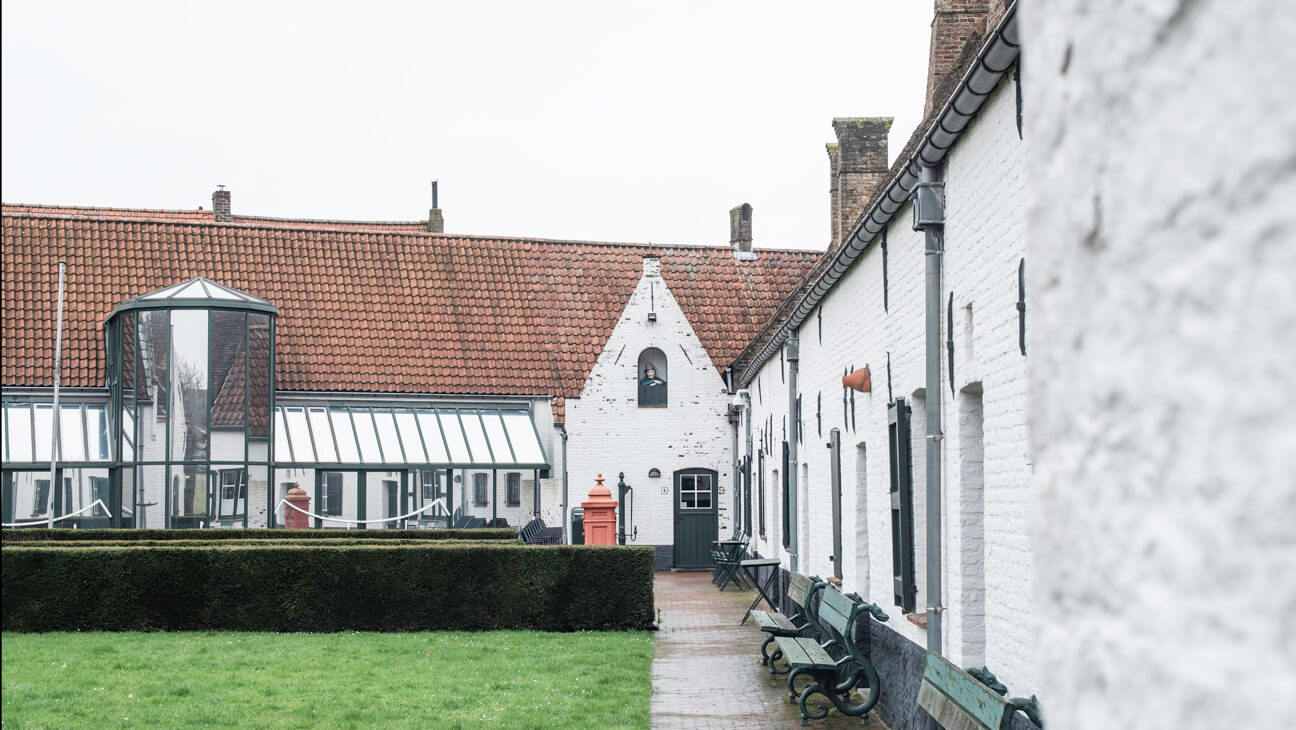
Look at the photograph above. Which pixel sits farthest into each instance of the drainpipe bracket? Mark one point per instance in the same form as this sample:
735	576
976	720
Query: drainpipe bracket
936	437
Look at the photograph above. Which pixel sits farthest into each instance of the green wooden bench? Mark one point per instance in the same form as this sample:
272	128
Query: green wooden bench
971	700
801	590
835	667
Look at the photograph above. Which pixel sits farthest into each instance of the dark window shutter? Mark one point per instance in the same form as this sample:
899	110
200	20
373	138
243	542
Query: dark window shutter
760	491
787	524
333	494
902	545
479	489
834	446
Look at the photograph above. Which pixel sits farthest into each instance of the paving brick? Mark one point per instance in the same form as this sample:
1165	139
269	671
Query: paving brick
707	671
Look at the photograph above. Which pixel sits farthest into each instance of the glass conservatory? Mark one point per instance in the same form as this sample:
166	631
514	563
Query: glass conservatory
189	435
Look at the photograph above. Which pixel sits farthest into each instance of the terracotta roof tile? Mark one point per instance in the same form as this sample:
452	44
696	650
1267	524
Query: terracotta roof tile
372	307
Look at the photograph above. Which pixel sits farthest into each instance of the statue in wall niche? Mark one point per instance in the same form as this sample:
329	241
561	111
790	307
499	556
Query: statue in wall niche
650	378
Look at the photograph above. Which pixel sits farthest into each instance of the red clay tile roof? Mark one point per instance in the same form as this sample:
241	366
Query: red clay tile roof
372	307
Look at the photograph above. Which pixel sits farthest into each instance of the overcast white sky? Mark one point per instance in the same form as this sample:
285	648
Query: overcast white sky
613	121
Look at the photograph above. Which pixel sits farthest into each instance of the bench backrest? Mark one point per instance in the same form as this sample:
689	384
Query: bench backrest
956	699
799	589
835	611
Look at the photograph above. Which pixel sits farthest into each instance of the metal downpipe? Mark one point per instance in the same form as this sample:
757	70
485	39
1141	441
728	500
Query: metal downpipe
747	456
794	423
934	228
736	479
566	525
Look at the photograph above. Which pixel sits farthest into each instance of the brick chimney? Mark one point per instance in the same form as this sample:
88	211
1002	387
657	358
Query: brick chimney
954	23
857	164
436	221
740	232
221	205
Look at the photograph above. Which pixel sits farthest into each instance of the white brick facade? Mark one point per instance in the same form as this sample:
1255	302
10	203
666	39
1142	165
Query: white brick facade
988	559
610	433
1162	389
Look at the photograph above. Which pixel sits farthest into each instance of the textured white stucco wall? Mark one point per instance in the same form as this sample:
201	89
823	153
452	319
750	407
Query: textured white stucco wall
988	556
1162	305
609	433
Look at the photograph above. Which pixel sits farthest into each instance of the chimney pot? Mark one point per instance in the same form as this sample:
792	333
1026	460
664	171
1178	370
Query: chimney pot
221	205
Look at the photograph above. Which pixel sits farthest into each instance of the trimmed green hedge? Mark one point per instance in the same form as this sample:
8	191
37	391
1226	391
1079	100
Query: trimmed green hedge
323	587
67	544
45	534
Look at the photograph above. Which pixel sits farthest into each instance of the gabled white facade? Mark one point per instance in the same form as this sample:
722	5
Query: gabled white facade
609	432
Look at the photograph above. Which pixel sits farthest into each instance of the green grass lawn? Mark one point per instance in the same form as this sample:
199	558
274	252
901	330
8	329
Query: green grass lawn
515	679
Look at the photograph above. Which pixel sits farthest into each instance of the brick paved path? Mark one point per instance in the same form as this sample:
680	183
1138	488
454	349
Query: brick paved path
707	671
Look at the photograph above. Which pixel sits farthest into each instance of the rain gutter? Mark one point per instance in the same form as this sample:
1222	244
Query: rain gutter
994	60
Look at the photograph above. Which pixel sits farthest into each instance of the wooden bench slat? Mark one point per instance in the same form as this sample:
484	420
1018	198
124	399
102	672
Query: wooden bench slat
948	693
802	652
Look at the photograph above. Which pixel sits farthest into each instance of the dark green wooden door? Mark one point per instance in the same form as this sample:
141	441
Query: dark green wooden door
695	517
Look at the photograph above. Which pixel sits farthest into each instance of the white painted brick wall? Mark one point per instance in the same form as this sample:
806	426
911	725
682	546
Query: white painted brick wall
1163	316
985	180
609	433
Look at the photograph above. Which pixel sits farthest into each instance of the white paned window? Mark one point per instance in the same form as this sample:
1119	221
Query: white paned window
436	448
387	435
19	431
454	437
409	434
97	433
348	449
282	451
472	425
364	428
522	435
299	434
498	439
43	432
323	432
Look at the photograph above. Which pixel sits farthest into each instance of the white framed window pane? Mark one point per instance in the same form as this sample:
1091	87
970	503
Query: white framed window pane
364	428
319	423
282	452
71	434
472	425
409	434
348	450
436	449
498	440
388	437
299	434
526	446
97	433
454	437
43	434
19	432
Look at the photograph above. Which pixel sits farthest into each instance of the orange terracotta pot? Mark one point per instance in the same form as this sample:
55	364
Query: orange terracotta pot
860	380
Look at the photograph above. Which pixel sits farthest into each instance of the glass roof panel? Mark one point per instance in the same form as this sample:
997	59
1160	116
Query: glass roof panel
498	438
220	292
431	427
454	437
281	452
387	436
42	432
522	435
165	293
476	436
323	433
192	290
299	434
71	434
409	434
348	449
18	418
364	427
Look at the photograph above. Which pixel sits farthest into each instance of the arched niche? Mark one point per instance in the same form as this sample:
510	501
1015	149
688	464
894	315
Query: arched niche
652	377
